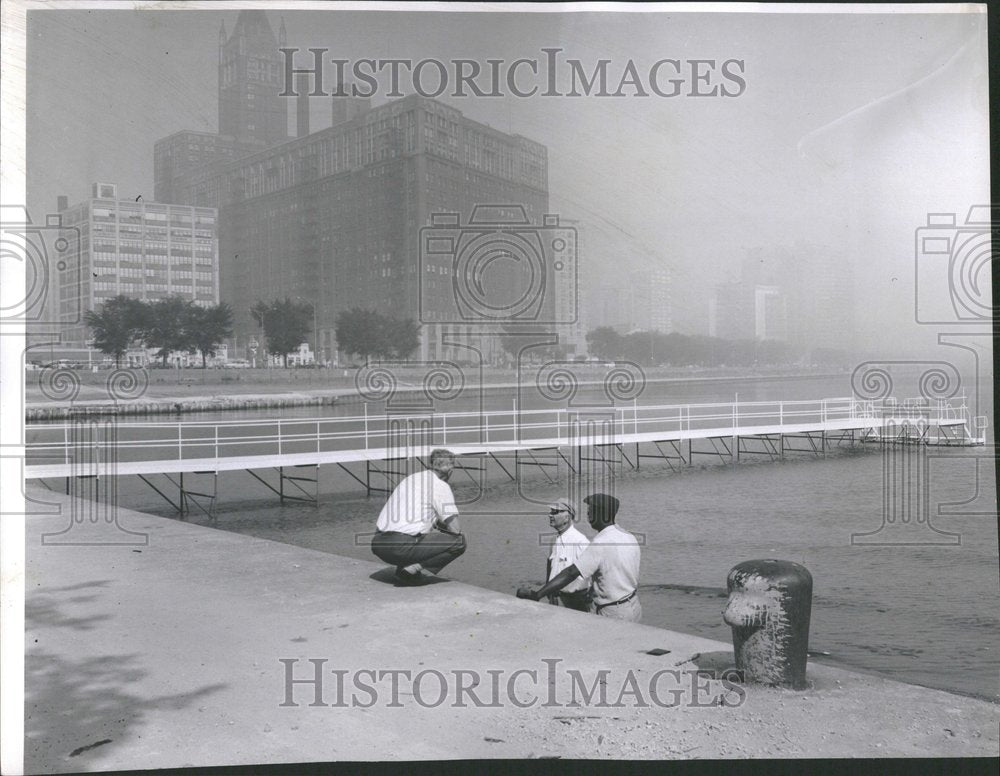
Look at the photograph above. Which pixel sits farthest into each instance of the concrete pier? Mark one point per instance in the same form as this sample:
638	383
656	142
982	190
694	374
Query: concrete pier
165	648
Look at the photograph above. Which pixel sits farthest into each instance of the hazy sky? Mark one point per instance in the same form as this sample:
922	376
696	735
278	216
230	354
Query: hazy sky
851	129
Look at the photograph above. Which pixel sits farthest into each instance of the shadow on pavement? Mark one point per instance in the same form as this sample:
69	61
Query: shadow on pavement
77	711
388	577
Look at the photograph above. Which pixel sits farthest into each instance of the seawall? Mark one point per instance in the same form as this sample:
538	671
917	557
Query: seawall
156	643
38	411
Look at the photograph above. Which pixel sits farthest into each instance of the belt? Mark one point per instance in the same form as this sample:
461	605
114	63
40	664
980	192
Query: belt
626	599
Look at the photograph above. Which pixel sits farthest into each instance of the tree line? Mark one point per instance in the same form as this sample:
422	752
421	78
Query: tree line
367	334
170	324
675	349
177	324
359	332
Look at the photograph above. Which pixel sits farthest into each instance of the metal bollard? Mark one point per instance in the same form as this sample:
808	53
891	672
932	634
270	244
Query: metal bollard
770	602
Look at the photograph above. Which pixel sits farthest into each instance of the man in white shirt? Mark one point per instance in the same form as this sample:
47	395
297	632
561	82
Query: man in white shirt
611	560
421	502
567	547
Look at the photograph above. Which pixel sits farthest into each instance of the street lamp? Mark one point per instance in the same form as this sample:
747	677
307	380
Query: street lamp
253	341
312	306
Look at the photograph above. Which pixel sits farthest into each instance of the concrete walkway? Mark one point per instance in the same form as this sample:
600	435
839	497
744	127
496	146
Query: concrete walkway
169	653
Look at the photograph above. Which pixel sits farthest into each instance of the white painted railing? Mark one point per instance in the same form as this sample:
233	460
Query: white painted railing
175	440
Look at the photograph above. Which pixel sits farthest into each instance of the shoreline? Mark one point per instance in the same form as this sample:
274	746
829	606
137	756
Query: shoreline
192	651
676	593
41	411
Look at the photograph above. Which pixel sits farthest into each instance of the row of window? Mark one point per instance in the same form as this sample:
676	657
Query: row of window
128	216
155	256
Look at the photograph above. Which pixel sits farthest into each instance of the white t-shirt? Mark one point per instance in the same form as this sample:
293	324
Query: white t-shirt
612	561
567	547
416	504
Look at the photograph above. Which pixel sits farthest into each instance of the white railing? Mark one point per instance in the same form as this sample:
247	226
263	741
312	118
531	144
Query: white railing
177	440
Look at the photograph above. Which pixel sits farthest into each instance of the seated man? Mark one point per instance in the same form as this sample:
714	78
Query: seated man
420	502
611	560
567	547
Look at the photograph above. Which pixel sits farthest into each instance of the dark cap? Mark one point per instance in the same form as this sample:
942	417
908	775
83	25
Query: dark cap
604	505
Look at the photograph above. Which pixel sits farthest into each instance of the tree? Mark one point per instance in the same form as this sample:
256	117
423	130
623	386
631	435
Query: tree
116	324
520	344
286	324
366	333
357	332
605	342
402	336
170	326
211	326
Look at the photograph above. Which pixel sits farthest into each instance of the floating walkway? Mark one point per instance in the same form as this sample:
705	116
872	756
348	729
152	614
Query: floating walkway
377	450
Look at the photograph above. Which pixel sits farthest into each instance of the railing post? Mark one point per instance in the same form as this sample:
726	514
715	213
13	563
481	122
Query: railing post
486	418
66	444
180	431
366	425
444	428
216	442
317	436
279	436
781	413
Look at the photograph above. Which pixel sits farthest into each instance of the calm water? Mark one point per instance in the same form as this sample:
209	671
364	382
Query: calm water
921	613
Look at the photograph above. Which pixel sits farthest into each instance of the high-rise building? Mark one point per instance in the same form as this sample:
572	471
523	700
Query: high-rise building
143	250
334	218
731	312
251	79
657	284
177	156
252	114
770	319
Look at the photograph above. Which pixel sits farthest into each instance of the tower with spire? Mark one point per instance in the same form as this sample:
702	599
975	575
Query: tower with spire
250	80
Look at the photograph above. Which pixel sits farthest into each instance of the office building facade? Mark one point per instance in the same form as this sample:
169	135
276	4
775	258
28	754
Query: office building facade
333	218
142	250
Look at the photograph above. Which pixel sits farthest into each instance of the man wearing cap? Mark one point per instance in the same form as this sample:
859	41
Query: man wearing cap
611	560
567	547
403	535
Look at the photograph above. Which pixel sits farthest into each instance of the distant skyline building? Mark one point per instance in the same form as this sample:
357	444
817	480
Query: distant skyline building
770	319
334	218
660	313
797	295
731	314
142	250
641	303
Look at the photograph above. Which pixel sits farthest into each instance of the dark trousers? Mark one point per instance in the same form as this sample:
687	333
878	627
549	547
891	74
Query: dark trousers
433	550
579	600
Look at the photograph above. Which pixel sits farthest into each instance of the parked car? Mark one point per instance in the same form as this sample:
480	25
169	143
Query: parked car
237	363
